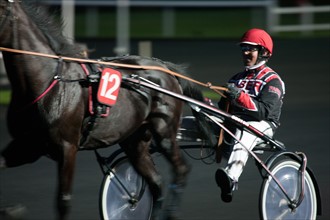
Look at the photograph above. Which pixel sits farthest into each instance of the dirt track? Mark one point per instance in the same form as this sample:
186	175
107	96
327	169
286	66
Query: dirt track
305	68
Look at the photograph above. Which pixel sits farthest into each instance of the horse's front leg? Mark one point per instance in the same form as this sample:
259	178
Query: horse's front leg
66	168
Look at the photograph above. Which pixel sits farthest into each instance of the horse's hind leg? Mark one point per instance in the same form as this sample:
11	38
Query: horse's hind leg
181	169
21	151
137	149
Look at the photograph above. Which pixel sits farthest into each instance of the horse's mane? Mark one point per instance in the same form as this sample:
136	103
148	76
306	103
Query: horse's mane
52	27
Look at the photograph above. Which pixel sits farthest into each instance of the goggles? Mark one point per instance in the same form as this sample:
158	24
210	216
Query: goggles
249	48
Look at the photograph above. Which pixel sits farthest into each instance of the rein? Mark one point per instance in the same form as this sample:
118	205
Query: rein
209	85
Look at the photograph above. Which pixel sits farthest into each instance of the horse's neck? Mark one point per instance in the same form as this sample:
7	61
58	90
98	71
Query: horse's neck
25	70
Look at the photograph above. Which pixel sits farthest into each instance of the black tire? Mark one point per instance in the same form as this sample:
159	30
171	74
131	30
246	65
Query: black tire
273	204
124	194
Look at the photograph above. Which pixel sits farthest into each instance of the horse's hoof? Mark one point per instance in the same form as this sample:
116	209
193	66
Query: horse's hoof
13	211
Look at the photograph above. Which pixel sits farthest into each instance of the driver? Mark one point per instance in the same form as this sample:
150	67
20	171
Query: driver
255	95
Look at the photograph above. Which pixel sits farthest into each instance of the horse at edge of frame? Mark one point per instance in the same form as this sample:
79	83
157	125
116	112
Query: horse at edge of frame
55	109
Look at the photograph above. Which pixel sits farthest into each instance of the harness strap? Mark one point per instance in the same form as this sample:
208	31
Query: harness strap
55	81
93	76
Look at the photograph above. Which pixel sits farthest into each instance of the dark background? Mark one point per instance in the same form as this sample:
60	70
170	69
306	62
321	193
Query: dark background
303	65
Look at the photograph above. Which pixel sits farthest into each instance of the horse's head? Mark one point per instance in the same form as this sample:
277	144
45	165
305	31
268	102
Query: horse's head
26	27
26	21
6	7
15	22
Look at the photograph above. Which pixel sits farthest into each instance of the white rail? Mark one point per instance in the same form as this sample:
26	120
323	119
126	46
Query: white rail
306	18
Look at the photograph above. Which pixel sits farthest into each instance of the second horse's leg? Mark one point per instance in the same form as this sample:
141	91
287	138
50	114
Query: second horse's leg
137	149
180	173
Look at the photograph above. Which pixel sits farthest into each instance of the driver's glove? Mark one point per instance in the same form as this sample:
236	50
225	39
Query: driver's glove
233	92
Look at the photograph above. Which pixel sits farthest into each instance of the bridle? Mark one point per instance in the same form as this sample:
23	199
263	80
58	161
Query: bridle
7	12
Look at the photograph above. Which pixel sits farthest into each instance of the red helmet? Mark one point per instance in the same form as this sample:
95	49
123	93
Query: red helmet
258	37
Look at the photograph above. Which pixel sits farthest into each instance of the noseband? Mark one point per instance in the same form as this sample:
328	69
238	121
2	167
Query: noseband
6	13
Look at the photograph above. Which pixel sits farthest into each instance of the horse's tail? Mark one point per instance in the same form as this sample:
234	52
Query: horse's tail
191	90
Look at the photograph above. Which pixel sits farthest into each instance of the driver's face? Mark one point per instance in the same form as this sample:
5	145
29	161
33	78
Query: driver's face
249	54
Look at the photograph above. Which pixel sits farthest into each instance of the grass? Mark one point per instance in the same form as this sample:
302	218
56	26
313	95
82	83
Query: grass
189	23
4	96
211	95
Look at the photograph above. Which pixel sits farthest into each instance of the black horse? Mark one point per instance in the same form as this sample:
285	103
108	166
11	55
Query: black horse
50	112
